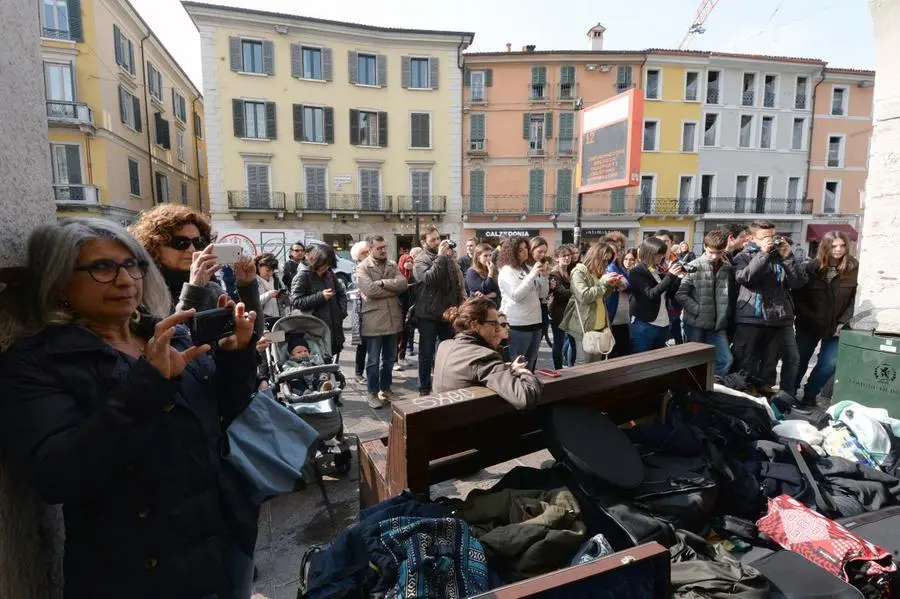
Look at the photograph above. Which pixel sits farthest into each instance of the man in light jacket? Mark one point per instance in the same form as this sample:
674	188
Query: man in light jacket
704	297
380	284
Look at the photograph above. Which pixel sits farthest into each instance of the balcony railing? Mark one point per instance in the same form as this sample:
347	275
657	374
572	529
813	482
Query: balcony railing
538	92
567	92
664	206
477	147
800	102
712	94
733	205
515	204
245	200
57	34
342	202
70	112
769	100
421	203
623	87
536	151
76	194
748	98
565	146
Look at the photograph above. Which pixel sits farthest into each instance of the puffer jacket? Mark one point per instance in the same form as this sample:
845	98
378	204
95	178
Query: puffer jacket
439	285
136	460
821	305
766	282
559	296
588	296
703	294
466	361
306	296
380	284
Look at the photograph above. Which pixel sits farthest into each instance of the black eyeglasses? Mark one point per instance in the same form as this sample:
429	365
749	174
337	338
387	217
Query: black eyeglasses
107	271
181	243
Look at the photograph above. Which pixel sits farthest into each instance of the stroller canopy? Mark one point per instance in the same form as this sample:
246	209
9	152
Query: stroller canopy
316	332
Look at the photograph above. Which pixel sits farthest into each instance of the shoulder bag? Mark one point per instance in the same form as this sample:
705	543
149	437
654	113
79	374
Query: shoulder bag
595	342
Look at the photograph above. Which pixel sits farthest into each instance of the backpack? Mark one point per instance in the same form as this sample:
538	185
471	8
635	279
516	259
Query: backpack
730	422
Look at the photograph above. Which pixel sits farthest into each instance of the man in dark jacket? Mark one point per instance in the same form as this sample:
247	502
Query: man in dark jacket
439	288
703	295
465	262
767	272
296	258
737	236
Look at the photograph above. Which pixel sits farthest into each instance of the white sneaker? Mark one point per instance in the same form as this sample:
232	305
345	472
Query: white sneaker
399	366
374	400
387	396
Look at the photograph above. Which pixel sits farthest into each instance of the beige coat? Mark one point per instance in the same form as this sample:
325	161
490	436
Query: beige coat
380	284
465	361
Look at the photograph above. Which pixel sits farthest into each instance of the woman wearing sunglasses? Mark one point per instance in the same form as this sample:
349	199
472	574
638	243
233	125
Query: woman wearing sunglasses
179	240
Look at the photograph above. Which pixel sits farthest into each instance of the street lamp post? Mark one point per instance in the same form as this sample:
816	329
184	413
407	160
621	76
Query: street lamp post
416	208
579	199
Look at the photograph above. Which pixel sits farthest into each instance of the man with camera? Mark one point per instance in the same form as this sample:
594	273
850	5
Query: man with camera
439	288
767	272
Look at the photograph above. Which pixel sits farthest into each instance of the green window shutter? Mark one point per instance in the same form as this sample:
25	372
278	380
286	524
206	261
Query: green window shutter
434	73
327	64
297	110
535	75
567	125
383	129
329	125
476	191
548	125
476	126
382	67
136	106
296	61
567	74
234	51
271	130
488	77
354	127
353	66
268	58
237	109
122	99
75	30
117	43
536	191
404	72
526	125
564	190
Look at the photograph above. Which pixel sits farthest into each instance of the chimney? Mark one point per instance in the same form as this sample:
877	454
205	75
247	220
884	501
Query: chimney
508	47
595	37
529	48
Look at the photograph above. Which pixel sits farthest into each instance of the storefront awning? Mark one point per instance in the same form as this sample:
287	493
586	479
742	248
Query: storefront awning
817	232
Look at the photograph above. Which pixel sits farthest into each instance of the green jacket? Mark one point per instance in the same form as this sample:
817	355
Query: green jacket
587	292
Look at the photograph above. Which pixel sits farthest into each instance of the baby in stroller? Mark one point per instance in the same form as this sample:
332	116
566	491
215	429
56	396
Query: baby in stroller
299	357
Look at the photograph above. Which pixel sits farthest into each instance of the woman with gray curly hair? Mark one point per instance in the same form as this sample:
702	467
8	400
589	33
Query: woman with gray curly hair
111	410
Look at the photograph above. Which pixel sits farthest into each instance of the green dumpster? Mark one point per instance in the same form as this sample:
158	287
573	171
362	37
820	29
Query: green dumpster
867	369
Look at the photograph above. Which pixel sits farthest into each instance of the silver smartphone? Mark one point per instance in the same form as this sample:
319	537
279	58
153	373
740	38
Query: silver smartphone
275	336
226	253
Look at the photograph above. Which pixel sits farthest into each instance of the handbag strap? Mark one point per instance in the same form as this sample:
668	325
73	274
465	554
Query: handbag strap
822	504
581	321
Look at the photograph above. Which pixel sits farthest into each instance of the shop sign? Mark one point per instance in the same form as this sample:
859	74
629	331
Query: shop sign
511	233
610	151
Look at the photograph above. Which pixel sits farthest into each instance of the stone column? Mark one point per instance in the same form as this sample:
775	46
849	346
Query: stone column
879	282
30	532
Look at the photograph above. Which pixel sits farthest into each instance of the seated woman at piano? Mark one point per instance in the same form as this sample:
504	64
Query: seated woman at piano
471	358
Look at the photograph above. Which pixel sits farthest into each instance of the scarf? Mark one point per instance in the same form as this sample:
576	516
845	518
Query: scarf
175	280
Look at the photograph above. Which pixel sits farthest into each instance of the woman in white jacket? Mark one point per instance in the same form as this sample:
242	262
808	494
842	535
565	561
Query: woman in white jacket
522	288
272	294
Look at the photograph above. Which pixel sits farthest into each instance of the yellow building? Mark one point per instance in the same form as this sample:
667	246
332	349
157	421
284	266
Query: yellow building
327	130
670	158
123	118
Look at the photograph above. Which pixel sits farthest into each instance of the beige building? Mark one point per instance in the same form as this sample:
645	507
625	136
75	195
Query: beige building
328	130
124	119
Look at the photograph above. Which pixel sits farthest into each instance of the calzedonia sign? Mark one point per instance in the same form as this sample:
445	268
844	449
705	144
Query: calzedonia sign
511	233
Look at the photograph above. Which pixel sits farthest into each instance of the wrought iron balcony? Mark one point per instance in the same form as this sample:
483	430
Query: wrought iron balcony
567	92
538	92
565	146
57	34
247	200
342	202
478	147
520	205
665	206
800	102
623	87
735	205
422	204
76	194
75	113
769	100
748	98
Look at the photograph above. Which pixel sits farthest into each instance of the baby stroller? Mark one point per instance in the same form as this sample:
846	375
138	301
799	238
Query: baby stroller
317	406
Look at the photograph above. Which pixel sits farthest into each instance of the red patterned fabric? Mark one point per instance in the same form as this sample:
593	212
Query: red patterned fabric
827	544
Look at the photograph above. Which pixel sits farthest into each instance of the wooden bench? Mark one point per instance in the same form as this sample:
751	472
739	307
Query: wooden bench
452	435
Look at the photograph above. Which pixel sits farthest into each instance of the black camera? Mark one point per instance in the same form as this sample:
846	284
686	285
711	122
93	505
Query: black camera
210	326
778	241
451	244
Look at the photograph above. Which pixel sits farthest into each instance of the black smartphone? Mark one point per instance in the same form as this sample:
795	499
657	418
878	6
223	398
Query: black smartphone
209	326
282	293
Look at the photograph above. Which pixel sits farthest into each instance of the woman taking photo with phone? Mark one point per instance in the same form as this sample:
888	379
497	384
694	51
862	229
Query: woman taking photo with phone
481	278
272	296
522	288
649	291
110	410
591	284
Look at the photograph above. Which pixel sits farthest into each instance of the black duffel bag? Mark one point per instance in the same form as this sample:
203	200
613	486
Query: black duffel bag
729	421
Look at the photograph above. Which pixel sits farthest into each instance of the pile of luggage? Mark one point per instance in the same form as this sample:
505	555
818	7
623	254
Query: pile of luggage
748	505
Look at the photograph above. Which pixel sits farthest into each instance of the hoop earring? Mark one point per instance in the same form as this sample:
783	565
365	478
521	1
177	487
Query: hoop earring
135	317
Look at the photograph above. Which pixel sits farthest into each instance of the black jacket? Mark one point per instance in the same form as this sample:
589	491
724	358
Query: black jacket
646	293
766	281
135	460
821	305
289	272
439	285
306	296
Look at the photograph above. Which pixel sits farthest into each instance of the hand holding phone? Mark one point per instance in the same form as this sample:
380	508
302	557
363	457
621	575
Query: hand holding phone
226	253
209	326
328	293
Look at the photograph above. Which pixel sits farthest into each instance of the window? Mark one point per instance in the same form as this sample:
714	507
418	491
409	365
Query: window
163	138
748	90
58	83
651	91
762	188
707	187
312	63
314	124
258	191
179	106
797	134
567	82
162	188
685	191
370	189
198	126
419	69
56	19
124	49
746	134
689	137
129	109
536	133
563	190
255	120
648	182
793	189
251	56
476	191
691	86
420	188
623	78
184	194
566	144
368	128
711	130
419	130
476	89
315	181
538	83
367	69
154	82
134	177
835	151
67	172
742	187
651	134
839	101
801	93
617	201
832	197
713	94
767	132
770	84
476	132
536	191
179	144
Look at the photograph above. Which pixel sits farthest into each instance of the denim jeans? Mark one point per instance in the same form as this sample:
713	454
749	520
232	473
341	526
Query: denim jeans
570	348
431	332
384	347
645	336
525	343
718	339
825	365
562	354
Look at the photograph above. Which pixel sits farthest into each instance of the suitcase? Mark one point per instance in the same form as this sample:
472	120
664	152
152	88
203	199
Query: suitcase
881	527
792	576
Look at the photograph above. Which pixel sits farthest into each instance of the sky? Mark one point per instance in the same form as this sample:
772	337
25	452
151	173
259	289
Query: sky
838	31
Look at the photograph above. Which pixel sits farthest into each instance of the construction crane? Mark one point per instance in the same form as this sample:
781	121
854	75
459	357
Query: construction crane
703	11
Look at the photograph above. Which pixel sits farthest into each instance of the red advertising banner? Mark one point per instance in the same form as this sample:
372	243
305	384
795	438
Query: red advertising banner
609	154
